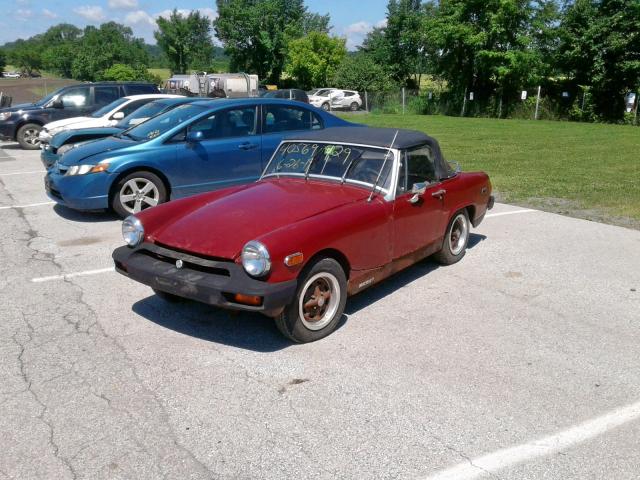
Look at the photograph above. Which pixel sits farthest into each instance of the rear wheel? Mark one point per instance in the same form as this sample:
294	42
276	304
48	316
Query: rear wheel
354	107
136	192
456	239
27	136
318	305
325	106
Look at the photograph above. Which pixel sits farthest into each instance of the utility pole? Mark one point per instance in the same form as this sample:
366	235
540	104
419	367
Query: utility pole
635	110
464	102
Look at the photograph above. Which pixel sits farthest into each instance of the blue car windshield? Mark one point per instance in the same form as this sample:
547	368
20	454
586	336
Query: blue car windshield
149	110
107	108
164	122
360	164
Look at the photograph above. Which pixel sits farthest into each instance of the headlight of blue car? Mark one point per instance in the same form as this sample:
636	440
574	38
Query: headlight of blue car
84	169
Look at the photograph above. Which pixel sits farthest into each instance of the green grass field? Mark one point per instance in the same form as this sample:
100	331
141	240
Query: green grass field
585	170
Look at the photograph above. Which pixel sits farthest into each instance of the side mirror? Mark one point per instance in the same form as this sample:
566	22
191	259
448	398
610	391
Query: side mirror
57	103
195	136
117	116
418	190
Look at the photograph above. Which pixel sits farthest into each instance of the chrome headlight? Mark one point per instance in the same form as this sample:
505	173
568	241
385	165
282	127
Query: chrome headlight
255	259
4	116
65	148
84	169
132	231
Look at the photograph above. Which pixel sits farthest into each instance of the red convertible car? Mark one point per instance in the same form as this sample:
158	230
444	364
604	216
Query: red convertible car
335	211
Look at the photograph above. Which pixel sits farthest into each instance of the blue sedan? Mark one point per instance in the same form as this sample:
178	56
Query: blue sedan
194	148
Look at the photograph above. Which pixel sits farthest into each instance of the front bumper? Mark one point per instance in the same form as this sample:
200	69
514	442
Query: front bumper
80	192
8	130
44	136
48	155
208	281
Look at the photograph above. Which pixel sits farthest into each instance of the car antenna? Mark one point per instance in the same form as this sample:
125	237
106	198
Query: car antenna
375	184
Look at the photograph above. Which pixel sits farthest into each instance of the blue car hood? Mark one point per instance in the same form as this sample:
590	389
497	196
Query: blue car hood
87	151
20	106
61	138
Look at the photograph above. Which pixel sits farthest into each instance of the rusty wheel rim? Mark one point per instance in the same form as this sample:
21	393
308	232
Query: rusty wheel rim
319	301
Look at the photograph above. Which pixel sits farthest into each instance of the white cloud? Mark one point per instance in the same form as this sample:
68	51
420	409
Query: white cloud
93	13
356	32
139	17
48	13
123	4
23	13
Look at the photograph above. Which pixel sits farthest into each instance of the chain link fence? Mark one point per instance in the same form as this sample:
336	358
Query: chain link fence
534	103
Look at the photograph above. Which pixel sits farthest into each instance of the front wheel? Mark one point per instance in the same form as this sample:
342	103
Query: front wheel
136	192
456	239
318	305
27	136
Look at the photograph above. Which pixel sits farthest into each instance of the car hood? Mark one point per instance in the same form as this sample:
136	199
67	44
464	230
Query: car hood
67	122
87	151
20	107
61	138
220	226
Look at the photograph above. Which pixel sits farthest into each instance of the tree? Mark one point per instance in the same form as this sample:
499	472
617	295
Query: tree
314	59
102	47
403	38
26	56
256	33
3	61
360	72
600	46
125	73
59	48
185	40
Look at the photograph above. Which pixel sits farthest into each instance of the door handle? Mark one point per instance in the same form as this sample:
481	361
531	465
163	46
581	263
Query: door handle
439	193
247	146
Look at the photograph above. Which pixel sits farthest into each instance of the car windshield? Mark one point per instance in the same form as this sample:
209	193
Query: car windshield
107	108
48	98
164	122
149	110
367	165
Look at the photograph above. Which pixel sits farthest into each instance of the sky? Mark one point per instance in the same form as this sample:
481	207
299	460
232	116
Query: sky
351	19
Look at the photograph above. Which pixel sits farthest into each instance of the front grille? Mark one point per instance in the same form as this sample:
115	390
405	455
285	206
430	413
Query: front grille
191	264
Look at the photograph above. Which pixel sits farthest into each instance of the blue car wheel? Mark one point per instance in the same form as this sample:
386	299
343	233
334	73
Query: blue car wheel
136	192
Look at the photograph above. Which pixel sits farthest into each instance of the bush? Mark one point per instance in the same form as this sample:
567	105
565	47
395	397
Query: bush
124	73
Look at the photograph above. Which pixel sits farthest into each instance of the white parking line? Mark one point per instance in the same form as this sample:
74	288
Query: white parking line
27	206
72	275
491	463
21	173
512	212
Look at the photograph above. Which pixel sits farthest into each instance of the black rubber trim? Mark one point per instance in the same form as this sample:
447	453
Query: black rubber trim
205	281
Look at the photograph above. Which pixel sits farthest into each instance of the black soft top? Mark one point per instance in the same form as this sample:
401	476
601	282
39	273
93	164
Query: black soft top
376	137
379	137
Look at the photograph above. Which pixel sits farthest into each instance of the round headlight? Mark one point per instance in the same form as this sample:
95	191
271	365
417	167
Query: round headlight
132	231
255	259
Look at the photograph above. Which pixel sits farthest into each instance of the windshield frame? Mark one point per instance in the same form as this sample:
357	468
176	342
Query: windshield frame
388	194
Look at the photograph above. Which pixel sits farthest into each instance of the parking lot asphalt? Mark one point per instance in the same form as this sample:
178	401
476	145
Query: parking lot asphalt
519	362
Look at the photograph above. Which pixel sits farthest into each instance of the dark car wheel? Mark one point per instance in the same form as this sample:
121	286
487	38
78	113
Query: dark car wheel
318	305
354	107
456	239
168	297
136	192
325	107
27	136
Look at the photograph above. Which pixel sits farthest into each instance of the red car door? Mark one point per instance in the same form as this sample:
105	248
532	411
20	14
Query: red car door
417	224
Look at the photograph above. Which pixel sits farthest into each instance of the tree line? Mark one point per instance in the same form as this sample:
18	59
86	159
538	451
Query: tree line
478	52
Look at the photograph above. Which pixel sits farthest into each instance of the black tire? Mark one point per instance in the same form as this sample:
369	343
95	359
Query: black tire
168	297
456	239
297	328
354	107
27	136
325	106
124	189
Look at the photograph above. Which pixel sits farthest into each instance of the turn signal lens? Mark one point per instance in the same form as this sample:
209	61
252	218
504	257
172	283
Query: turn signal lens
294	259
252	300
101	167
